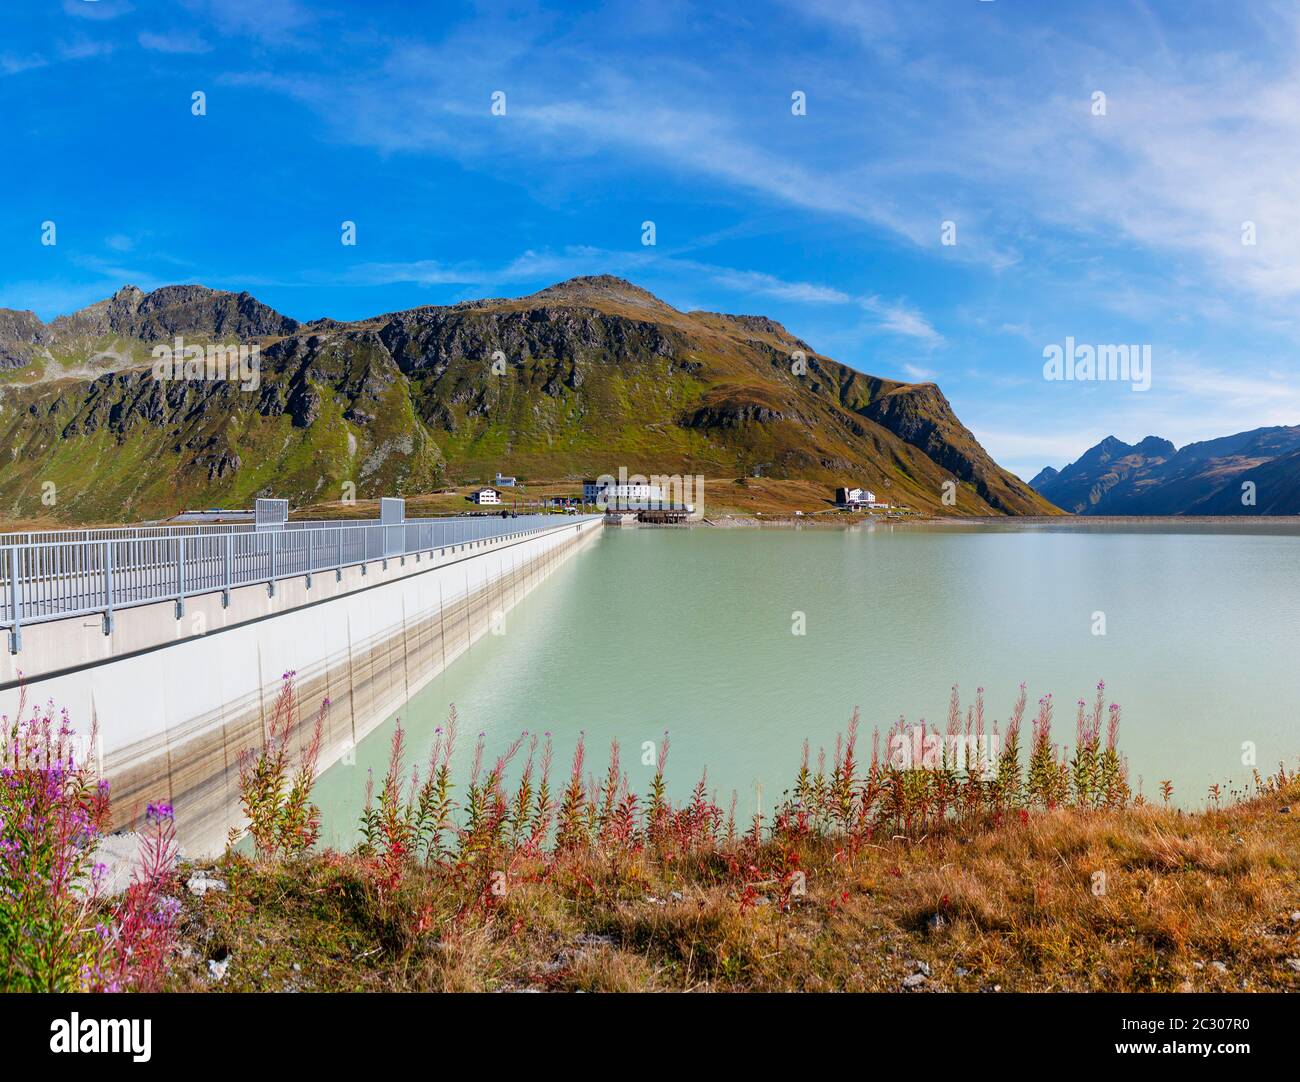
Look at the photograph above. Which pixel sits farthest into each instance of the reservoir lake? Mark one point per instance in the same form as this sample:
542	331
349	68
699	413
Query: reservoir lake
694	631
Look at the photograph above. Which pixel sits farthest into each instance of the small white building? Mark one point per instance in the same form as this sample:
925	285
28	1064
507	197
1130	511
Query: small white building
505	482
485	496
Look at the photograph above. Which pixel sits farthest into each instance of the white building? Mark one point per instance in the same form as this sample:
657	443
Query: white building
485	495
855	497
505	482
634	495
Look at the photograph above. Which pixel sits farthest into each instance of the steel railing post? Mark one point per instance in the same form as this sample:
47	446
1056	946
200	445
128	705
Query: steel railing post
310	554
108	587
180	577
15	604
227	579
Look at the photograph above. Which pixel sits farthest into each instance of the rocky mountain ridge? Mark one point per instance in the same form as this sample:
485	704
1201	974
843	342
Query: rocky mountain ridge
1153	477
579	378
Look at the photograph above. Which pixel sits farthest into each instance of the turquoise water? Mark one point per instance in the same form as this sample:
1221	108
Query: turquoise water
691	631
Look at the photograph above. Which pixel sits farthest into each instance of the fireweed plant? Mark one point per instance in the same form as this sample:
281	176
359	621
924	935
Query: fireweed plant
58	932
921	780
274	795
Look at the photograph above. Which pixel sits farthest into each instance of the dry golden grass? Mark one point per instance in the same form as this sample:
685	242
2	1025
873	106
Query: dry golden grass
1018	906
766	496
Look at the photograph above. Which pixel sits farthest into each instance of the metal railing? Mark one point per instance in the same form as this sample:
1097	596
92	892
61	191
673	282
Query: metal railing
119	533
78	574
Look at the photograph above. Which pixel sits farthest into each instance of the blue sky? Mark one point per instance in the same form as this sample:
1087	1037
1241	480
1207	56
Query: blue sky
1122	228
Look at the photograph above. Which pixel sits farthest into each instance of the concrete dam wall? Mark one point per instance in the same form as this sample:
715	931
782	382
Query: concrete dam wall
176	699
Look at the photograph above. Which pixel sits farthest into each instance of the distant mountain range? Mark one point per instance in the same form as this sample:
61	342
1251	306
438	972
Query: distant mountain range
1154	477
580	378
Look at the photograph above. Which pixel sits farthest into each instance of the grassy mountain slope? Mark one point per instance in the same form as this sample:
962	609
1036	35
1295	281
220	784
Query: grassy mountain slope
581	378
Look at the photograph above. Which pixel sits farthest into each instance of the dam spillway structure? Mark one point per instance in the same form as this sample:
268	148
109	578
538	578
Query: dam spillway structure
172	641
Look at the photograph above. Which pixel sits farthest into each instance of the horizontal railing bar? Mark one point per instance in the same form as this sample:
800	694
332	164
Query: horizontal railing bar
132	533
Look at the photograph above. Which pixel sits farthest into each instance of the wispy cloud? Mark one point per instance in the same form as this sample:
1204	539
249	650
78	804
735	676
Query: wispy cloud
185	42
11	64
767	285
101	10
85	49
899	318
269	20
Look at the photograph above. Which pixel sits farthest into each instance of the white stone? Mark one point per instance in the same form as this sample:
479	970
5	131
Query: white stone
201	884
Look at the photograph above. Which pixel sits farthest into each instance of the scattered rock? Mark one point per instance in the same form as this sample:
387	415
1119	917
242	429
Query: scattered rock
562	960
217	969
115	861
962	971
1219	967
1294	963
914	981
937	922
677	896
1295	917
588	939
201	884
921	967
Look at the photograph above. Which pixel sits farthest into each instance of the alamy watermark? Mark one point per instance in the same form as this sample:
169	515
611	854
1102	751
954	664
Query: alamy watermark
116	1036
1115	363
218	361
919	748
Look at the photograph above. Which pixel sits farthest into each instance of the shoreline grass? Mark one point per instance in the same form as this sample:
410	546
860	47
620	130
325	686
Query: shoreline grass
970	857
928	865
1193	901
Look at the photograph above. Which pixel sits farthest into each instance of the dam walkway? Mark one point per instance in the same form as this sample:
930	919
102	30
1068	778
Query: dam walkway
172	643
54	575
